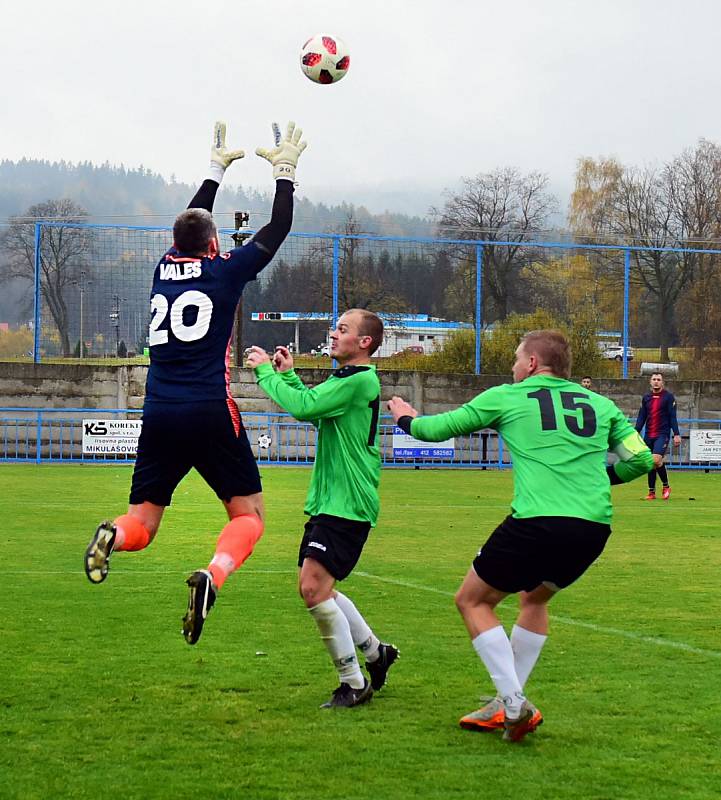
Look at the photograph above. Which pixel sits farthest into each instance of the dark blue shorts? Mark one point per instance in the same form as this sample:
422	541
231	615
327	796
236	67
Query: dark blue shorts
658	444
176	437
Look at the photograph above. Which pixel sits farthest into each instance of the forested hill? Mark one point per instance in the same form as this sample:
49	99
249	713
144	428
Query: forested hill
139	196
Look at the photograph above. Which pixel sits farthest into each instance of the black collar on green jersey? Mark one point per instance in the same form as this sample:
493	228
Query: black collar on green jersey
351	369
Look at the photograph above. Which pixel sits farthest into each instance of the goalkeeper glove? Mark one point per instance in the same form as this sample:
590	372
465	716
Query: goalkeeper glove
220	157
284	156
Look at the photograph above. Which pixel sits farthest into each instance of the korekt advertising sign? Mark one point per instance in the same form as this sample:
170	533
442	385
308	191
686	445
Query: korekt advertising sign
111	436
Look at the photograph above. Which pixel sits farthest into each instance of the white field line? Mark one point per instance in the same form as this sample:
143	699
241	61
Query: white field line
638	637
604	629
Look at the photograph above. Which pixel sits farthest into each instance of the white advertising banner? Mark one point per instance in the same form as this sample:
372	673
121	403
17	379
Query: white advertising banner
111	436
705	445
405	446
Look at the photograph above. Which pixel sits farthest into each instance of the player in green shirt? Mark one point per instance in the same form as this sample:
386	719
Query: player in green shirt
558	434
342	500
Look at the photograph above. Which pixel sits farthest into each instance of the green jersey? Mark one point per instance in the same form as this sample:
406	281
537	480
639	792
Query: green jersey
345	409
558	434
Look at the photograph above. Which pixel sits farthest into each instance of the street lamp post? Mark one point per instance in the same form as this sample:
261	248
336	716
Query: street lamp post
115	321
82	294
242	218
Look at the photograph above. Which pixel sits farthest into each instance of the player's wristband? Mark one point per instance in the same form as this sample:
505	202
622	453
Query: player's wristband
285	171
216	172
404	423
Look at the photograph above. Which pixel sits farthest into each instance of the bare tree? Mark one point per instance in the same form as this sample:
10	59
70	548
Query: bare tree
674	206
695	189
363	281
643	211
500	206
63	251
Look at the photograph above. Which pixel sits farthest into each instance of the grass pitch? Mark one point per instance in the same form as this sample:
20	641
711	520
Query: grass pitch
101	697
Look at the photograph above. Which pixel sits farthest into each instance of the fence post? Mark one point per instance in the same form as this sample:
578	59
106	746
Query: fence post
336	260
36	298
479	306
39	437
626	293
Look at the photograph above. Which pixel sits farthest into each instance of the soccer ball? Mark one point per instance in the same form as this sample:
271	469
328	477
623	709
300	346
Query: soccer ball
324	59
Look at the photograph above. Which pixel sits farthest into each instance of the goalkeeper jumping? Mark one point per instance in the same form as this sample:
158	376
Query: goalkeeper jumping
189	417
558	435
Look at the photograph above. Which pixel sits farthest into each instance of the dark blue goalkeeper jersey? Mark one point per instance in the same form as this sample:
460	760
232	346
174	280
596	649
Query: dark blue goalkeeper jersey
193	302
192	306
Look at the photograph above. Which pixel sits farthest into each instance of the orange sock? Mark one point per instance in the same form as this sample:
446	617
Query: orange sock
131	533
235	544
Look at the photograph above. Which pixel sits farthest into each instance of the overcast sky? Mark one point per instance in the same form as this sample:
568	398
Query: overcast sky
436	90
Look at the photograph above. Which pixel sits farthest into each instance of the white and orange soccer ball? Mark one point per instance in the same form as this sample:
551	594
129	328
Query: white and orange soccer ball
324	59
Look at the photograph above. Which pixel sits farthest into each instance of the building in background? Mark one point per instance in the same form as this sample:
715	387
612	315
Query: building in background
413	333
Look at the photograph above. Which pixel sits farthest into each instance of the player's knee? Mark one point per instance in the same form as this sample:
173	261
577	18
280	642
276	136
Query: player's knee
657	460
537	599
462	601
309	591
313	591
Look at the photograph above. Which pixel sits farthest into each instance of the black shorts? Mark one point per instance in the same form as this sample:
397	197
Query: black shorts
176	437
658	444
521	554
334	542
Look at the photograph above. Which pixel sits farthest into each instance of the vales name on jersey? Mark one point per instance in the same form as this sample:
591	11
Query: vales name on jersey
180	272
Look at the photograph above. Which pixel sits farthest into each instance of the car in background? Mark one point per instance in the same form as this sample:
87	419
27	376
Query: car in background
615	352
410	350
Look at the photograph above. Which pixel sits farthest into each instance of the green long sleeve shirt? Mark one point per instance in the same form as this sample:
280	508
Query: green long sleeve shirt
345	409
558	434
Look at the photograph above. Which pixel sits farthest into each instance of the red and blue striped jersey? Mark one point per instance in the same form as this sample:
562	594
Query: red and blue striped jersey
657	414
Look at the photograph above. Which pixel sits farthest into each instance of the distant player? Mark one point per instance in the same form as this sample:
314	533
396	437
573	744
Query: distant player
189	417
558	435
587	382
658	415
342	500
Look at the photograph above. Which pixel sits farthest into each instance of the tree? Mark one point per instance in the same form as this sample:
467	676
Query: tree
574	283
63	252
695	186
363	279
633	206
16	343
676	205
500	343
596	185
503	205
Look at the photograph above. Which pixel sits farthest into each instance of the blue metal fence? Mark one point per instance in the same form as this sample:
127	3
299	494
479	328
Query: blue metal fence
123	310
55	436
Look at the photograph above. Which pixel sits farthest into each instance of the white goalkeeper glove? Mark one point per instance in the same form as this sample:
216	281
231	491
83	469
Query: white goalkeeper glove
284	156
220	157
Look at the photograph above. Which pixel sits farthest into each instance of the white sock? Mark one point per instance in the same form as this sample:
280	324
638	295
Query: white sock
527	647
335	633
363	637
494	650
